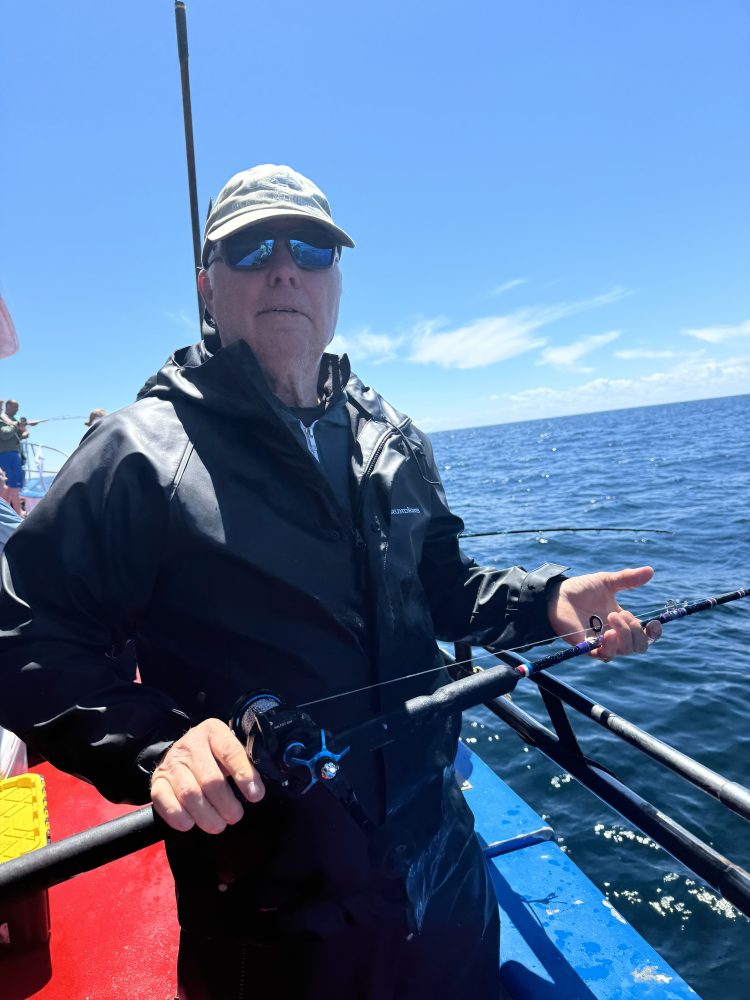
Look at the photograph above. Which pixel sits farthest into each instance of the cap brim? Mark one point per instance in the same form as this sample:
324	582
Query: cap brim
244	219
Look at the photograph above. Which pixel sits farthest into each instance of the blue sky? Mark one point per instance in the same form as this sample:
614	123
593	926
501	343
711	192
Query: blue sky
550	200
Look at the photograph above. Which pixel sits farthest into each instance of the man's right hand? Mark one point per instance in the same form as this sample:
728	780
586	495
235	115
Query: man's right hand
189	787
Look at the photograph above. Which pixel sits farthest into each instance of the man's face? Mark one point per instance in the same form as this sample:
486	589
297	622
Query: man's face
11	408
286	314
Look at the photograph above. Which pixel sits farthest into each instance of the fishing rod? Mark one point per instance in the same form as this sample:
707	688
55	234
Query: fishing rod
46	420
187	115
501	679
589	645
549	531
491	650
294	754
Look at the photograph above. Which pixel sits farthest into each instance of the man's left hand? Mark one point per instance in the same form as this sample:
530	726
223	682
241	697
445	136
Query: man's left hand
574	601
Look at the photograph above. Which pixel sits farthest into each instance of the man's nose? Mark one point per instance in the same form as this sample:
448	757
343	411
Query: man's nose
281	268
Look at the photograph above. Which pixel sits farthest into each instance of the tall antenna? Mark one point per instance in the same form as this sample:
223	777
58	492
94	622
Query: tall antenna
187	114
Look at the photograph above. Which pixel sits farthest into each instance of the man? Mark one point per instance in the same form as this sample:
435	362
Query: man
12	433
11	409
13	430
241	521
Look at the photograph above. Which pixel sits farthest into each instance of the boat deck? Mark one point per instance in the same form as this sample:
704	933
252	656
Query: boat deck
113	930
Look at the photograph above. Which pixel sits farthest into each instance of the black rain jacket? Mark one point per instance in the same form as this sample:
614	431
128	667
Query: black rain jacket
193	521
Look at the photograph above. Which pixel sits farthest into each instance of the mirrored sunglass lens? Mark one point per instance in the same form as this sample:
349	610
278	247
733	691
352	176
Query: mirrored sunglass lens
248	253
315	237
310	256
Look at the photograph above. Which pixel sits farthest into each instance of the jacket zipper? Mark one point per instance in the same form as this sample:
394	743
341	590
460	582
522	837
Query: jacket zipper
361	558
368	472
312	444
359	542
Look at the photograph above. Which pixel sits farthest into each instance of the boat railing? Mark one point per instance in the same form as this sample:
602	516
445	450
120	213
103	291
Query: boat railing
41	463
560	744
59	861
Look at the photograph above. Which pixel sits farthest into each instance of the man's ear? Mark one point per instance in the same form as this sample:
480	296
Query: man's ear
205	287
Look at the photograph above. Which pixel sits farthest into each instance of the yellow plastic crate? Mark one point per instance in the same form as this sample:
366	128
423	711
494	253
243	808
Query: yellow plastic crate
24	827
24	823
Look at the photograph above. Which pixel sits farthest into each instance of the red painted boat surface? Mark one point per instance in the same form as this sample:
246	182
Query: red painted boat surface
114	930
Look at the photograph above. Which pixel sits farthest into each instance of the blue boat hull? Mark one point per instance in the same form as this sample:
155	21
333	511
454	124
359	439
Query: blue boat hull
560	935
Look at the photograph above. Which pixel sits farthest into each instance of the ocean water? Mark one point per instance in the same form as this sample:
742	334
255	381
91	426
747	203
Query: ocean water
682	468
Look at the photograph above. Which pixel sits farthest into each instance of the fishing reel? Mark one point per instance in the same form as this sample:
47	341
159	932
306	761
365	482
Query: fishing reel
285	745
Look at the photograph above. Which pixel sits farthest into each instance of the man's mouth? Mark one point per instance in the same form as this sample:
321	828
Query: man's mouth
278	309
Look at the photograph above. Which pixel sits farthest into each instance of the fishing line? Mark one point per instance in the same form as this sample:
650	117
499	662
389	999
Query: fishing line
483	655
430	670
670	611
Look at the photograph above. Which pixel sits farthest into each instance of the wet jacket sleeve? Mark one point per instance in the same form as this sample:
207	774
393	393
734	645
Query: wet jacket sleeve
506	607
75	579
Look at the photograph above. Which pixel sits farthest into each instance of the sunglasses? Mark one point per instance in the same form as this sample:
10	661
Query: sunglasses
312	250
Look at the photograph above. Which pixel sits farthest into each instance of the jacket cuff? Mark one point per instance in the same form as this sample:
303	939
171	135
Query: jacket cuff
152	755
527	620
535	589
533	601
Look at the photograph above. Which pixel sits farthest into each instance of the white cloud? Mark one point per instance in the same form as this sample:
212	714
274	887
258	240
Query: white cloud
638	353
478	344
695	376
486	341
506	287
568	355
366	345
720	334
698	370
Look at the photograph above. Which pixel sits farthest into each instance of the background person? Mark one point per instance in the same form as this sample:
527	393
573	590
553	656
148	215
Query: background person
12	433
94	416
261	519
12	456
11	411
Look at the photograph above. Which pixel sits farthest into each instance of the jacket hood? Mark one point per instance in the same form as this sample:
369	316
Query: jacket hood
230	381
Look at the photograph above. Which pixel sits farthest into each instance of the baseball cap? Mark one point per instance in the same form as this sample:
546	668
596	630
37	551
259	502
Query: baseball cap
268	191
